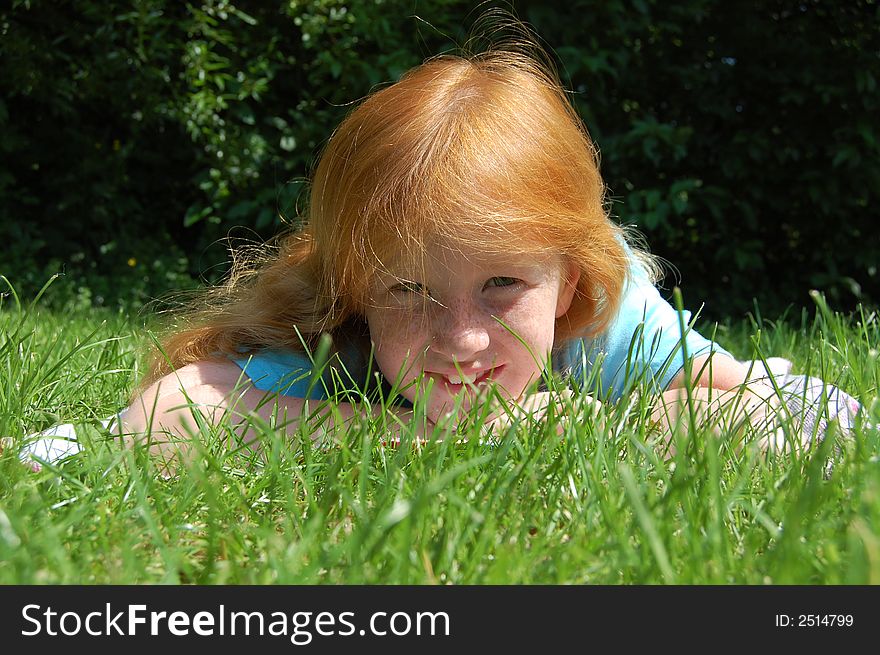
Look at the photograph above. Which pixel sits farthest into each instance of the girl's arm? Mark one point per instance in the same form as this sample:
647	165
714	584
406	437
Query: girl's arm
720	372
164	413
726	396
719	391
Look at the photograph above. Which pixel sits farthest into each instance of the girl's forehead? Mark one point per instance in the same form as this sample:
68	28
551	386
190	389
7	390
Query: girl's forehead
459	259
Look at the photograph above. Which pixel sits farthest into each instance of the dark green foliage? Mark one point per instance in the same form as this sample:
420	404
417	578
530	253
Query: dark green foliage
740	137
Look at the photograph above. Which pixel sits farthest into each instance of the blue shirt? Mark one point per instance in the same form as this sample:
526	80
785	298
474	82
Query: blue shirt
642	345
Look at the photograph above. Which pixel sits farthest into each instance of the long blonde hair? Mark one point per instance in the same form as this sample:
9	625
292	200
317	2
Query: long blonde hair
483	150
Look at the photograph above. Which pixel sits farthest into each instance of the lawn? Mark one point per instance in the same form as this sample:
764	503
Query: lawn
596	504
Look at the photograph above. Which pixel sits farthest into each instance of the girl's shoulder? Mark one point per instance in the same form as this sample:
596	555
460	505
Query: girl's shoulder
302	374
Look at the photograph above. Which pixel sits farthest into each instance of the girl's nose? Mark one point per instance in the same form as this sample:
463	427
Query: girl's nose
461	334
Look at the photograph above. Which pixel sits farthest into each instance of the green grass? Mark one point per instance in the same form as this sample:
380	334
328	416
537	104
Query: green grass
597	505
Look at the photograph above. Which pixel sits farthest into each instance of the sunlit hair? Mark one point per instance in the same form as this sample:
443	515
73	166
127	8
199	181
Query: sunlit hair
484	151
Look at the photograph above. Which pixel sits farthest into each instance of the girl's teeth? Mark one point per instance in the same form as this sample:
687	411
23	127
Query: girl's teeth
454	379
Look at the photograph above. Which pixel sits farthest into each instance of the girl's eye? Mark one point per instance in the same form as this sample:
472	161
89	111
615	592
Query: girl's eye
411	287
501	281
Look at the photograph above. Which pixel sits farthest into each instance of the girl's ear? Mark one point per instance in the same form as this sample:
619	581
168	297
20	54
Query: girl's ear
568	285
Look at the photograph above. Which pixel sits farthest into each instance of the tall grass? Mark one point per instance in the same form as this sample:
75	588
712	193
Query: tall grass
582	497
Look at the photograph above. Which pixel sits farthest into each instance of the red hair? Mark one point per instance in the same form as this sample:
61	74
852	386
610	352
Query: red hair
484	150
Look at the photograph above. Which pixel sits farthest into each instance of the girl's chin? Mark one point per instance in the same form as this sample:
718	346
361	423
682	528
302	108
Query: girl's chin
458	408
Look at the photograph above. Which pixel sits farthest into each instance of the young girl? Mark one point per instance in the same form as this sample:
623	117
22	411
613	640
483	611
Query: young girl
457	226
456	235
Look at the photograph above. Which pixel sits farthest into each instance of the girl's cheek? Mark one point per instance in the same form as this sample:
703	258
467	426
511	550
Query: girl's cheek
400	348
412	333
393	327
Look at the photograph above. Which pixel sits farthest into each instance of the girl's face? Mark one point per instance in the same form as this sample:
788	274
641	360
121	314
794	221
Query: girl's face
447	324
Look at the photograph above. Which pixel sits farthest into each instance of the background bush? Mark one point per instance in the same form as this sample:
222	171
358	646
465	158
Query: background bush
740	137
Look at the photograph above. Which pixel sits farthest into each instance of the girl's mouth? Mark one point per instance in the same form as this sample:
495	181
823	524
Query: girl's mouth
455	382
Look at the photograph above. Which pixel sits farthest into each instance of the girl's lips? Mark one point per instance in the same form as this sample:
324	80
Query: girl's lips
454	388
